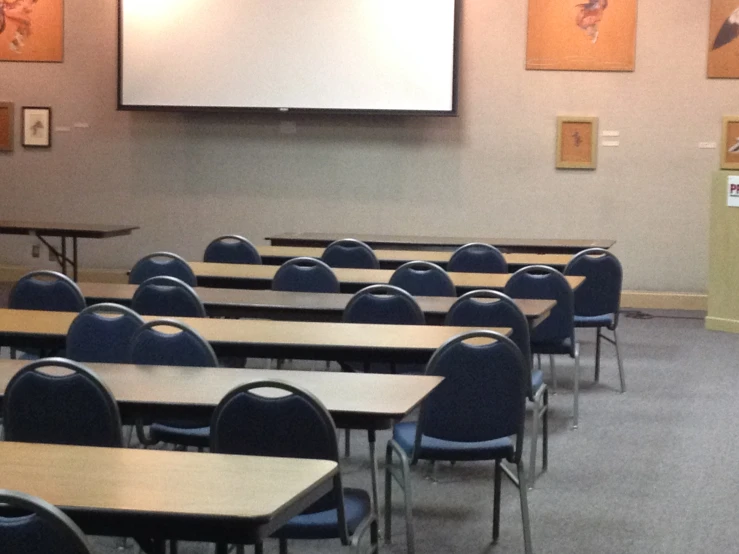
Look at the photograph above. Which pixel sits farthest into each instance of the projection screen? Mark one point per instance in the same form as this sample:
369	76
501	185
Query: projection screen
279	55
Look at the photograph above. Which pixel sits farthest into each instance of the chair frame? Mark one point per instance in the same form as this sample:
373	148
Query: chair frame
357	244
170	255
49	514
402	474
589	253
369	523
110	308
427	266
307	260
167	281
237	238
53	275
539	398
461	250
71	365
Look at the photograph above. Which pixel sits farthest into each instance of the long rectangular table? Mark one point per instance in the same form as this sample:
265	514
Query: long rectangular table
64	231
295	306
155	495
392	259
351	280
261	338
419	242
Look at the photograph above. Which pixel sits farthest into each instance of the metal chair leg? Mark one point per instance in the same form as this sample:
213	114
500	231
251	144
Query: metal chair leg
496	501
388	492
283	546
597	354
576	387
621	374
347	442
534	440
258	548
553	371
522	492
404	480
545	433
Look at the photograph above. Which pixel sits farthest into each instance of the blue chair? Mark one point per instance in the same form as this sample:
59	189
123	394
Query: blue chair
39	528
492	308
167	296
231	249
45	290
102	333
75	407
556	334
305	274
477	257
476	413
295	426
350	253
598	299
183	347
423	279
161	263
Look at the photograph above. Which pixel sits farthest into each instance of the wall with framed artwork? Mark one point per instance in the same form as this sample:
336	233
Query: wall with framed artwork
493	164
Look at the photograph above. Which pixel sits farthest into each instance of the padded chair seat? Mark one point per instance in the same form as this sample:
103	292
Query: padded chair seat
189	433
564	347
439	449
605	320
323	525
537	379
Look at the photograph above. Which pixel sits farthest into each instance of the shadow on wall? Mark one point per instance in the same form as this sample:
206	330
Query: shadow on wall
300	157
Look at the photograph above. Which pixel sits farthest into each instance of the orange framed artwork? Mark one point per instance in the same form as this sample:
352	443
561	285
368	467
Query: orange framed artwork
577	142
31	30
723	39
597	35
7	117
730	142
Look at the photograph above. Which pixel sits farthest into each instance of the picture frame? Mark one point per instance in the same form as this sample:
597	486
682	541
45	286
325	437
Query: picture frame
723	46
32	31
36	127
7	119
730	142
577	142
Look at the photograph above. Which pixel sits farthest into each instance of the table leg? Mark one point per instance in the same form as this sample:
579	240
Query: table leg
64	254
152	546
75	265
371	436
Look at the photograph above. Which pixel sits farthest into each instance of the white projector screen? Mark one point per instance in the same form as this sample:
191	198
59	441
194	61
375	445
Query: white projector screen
279	55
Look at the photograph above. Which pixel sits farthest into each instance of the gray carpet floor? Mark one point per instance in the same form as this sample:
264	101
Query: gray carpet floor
648	471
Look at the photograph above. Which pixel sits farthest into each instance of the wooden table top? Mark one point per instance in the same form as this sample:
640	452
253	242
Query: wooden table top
147	482
279	254
346	395
295	305
265	337
378	240
349	276
81	230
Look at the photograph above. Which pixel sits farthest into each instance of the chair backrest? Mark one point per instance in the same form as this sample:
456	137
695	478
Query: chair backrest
167	296
46	290
483	394
161	263
350	253
231	249
477	257
492	308
179	345
292	425
102	333
39	528
540	281
383	304
600	294
73	407
423	279
305	275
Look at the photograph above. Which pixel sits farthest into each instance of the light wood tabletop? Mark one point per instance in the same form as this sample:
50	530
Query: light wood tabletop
355	400
260	276
391	259
300	306
262	337
173	495
564	246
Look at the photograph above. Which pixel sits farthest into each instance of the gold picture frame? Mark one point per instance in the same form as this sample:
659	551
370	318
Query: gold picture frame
730	142
7	119
577	142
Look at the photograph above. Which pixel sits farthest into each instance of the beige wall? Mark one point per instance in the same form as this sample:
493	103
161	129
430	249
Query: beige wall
188	177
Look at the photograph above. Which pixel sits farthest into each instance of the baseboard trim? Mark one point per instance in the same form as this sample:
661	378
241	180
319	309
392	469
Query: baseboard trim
722	324
645	300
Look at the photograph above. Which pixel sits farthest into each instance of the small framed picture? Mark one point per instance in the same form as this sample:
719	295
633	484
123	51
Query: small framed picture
730	143
36	127
577	142
7	116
